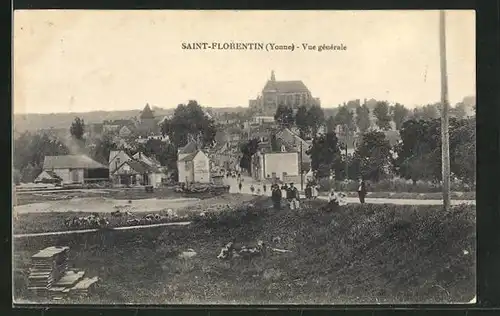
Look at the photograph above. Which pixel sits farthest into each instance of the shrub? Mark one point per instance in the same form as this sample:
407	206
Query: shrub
395	185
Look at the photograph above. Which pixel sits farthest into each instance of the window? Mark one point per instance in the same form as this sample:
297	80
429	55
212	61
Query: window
186	165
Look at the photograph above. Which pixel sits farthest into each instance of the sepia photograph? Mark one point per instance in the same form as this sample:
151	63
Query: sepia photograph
167	157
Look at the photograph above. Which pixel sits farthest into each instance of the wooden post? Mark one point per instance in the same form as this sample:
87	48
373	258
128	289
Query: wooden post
301	171
445	146
346	161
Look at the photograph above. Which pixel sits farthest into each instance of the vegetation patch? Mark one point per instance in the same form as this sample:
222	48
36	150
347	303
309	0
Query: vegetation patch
356	254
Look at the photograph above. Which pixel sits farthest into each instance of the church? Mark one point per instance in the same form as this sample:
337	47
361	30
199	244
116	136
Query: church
290	93
147	123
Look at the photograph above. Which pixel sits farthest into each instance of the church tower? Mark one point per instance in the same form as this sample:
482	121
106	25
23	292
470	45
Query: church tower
273	77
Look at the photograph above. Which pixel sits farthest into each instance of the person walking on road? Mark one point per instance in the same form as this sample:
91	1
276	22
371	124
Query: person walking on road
362	191
264	188
293	197
240	185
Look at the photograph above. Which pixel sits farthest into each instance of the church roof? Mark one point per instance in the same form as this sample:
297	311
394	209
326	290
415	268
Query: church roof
147	113
285	86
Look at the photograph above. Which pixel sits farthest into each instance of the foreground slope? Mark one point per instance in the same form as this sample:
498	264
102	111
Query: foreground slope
358	254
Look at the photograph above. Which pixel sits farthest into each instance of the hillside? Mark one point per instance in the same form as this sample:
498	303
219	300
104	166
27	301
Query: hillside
33	121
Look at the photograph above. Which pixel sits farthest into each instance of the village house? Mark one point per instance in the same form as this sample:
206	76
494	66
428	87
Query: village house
125	132
276	165
143	140
193	164
116	158
72	169
134	171
263	119
297	144
157	174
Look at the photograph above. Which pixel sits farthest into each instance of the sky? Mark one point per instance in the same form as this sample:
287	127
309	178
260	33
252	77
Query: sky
79	61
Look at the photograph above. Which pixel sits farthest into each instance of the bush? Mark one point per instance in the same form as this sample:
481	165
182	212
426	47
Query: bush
394	185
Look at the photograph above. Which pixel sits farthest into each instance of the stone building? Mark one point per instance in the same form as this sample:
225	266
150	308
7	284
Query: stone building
147	123
290	93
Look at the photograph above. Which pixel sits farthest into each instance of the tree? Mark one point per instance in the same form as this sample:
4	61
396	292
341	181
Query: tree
345	118
165	153
30	151
382	115
315	118
248	149
274	143
428	112
373	155
331	124
104	145
325	155
363	118
463	149
459	111
77	128
284	116
302	122
419	152
399	115
189	121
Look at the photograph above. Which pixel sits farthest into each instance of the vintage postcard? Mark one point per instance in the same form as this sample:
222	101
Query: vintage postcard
244	157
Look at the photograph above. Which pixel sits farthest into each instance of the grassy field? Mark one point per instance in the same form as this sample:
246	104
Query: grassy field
358	254
54	221
119	194
413	195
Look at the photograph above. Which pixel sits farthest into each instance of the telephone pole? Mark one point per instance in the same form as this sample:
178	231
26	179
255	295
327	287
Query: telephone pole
445	136
346	161
301	170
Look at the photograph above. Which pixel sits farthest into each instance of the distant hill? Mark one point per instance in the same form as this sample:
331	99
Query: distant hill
33	122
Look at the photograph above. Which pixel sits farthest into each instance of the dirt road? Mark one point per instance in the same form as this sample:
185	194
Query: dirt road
248	182
104	205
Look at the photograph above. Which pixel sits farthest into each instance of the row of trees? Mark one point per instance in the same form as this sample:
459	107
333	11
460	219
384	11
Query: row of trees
417	156
354	116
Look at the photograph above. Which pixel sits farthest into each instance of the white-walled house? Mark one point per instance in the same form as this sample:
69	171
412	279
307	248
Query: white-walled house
274	165
194	167
73	169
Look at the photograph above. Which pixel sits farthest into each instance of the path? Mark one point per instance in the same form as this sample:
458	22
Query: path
247	182
83	231
105	205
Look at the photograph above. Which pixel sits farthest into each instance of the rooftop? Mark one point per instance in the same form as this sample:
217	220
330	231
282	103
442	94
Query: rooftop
71	162
285	86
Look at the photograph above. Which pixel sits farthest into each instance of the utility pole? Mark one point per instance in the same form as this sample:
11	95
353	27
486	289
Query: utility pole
346	162
301	170
445	137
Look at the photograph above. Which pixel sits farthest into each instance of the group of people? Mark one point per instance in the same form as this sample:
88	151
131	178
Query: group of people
292	195
312	190
338	197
